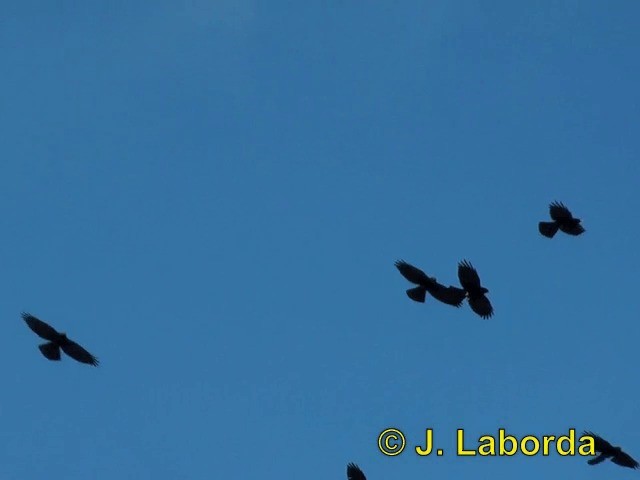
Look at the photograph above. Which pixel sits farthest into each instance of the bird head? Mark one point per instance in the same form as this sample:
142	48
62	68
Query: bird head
485	290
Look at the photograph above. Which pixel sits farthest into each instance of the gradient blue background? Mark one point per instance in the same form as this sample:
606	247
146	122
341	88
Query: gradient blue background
210	196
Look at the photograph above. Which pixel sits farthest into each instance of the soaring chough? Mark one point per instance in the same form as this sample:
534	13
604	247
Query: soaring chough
607	450
57	341
354	472
475	292
449	295
562	219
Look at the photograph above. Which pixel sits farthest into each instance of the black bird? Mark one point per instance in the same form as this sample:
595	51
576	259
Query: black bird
57	341
562	219
470	282
354	472
607	450
449	295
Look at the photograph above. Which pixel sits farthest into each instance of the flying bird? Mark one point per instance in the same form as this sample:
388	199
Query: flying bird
607	450
354	472
562	219
475	292
450	295
57	341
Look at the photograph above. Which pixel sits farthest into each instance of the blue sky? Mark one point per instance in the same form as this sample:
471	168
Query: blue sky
210	196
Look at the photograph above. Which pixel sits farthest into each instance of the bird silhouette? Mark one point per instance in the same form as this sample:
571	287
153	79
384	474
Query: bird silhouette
562	219
607	450
470	282
57	341
450	295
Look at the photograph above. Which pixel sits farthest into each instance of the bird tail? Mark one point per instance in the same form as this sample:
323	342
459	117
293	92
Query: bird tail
417	294
548	229
50	350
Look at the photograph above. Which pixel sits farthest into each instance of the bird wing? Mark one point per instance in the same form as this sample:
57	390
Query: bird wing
450	295
413	274
50	350
468	276
42	329
600	444
354	472
599	459
78	353
575	230
624	460
482	306
559	212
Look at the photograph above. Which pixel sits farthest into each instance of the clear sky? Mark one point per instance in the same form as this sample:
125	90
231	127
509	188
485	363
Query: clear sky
210	196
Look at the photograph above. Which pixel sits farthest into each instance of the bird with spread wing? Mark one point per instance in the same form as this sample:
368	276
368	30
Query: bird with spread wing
450	295
475	292
607	450
57	341
562	219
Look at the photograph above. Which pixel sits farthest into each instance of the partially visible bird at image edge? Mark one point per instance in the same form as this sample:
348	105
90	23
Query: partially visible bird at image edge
354	472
